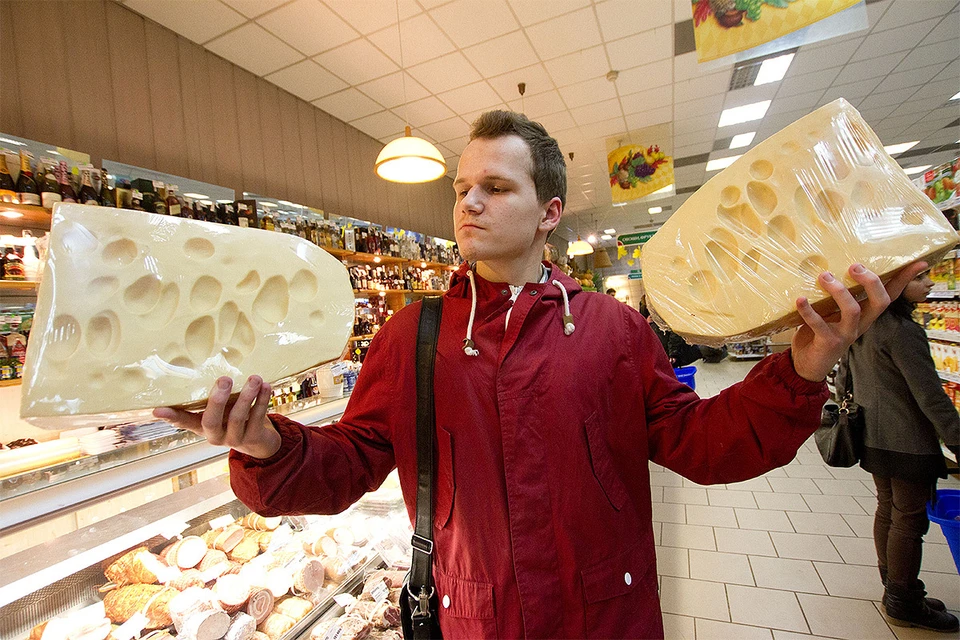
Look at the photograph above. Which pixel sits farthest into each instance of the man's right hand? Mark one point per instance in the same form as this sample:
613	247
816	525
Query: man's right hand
242	424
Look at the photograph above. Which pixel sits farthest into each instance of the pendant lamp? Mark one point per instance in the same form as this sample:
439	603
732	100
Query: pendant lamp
601	259
579	248
409	159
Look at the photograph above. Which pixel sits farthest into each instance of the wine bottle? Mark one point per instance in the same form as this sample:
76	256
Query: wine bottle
27	190
173	203
66	189
88	195
108	194
8	190
49	187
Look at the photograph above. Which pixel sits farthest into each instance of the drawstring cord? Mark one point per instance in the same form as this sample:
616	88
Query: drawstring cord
468	347
568	326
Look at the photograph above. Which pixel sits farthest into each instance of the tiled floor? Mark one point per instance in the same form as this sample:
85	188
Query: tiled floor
787	556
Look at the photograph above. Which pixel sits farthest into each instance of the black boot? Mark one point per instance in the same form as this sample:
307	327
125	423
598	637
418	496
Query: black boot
908	608
933	603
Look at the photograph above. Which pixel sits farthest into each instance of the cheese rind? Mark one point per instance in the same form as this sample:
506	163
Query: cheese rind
822	194
138	310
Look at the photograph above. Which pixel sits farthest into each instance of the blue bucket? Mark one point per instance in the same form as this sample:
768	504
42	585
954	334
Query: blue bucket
685	375
945	514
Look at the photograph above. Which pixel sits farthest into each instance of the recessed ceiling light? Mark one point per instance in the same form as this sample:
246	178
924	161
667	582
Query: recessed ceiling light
653	210
609	230
745	113
592	239
198	196
913	170
894	149
742	140
773	69
721	163
606	236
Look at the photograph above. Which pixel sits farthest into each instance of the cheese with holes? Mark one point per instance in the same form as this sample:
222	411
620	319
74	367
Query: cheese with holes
137	311
822	194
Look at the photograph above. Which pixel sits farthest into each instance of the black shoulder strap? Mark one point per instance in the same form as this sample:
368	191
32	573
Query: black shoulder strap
421	570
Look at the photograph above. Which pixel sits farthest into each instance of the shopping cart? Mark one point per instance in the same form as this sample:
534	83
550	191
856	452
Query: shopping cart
946	513
686	376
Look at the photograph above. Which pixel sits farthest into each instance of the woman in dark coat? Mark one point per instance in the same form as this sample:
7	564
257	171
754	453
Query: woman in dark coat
906	414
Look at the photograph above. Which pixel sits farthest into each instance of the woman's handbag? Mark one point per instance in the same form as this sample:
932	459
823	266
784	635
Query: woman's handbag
419	602
840	436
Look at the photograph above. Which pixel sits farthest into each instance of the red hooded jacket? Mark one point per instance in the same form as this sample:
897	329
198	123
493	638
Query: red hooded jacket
543	514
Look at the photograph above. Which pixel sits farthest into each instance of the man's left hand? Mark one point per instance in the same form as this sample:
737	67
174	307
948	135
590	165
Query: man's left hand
820	342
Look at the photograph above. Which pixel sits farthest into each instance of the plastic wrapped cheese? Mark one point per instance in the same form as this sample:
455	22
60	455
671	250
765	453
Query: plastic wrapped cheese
137	310
822	194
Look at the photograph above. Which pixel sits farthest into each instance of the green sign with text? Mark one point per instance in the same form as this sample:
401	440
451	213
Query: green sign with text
636	238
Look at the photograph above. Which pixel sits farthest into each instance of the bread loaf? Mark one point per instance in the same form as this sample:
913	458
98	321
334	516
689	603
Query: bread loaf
134	567
275	625
151	600
296	608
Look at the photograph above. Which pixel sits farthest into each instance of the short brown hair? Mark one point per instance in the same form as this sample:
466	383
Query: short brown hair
549	168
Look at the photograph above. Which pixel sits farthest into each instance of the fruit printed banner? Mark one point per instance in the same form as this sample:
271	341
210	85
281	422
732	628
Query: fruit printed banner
639	162
725	27
942	184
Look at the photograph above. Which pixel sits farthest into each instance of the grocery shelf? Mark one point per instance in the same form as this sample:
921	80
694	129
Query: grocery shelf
943	295
946	336
949	377
747	356
369	258
376	292
369	336
10	383
31	216
428	292
338	253
18	285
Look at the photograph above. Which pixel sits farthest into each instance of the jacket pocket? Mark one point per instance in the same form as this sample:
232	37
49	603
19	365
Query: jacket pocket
466	607
600	461
620	596
445	484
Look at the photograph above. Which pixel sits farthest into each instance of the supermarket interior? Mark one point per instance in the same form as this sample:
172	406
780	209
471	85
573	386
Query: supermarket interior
262	127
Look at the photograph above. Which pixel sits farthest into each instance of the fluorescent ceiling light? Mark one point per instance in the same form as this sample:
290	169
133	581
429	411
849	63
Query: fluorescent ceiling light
198	196
653	210
666	189
592	239
773	69
894	149
721	163
913	170
619	204
11	214
956	96
208	203
224	201
609	230
56	153
288	203
746	113
268	204
16	142
606	236
742	140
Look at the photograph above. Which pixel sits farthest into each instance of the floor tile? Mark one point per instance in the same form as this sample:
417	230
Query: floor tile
944	586
685	495
781	501
690	484
937	558
688	536
802	546
673	561
793	485
714	630
754	484
856	550
789	575
656	494
826	523
851	473
934	535
744	541
657	527
766	608
842	488
726	498
844	618
763	519
834	504
862	525
667	512
665	479
850	580
711	516
790	635
678	627
797	470
694	598
809	457
775	473
867	503
720	567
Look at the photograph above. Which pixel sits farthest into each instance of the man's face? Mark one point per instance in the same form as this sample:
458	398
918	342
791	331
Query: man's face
497	214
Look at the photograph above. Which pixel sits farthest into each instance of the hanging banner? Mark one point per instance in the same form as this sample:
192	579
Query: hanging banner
724	27
639	162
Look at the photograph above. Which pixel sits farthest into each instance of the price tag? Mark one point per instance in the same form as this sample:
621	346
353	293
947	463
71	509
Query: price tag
339	369
222	521
281	536
334	633
172	528
345	600
354	558
381	592
132	628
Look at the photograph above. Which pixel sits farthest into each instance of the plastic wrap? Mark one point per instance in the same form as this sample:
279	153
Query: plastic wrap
138	310
822	194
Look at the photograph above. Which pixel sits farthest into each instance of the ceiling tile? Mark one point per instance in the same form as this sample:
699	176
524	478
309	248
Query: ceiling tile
531	12
655	44
854	92
806	82
450	129
899	39
425	111
457	145
578	66
253	8
565	34
422	41
605	129
813	59
357	62
449	72
872	68
616	17
897	125
198	20
711	85
347	105
696	124
255	49
646	77
649	117
890	99
800	101
911	78
539	105
948	29
470	116
938	93
307	80
950	72
685	66
469	22
373	15
699	107
535	77
500	55
922	106
380	125
390	90
930	54
703	136
431	4
647	100
478	95
876	114
589	92
596	112
308	26
557	121
904	13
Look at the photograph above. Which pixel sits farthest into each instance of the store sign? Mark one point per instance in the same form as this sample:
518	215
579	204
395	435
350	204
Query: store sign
635	238
635	275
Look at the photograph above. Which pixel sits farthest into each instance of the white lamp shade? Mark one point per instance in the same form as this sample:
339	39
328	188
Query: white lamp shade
579	248
410	159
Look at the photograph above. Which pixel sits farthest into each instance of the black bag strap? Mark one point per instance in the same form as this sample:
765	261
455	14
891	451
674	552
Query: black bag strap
844	381
420	584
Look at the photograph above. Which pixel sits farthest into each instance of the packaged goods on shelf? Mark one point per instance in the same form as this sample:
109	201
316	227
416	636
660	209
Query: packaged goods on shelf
822	194
942	184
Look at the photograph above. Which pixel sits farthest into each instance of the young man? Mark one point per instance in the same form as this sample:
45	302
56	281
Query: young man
549	403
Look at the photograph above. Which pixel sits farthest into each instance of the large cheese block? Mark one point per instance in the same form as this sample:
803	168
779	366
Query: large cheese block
137	311
822	194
